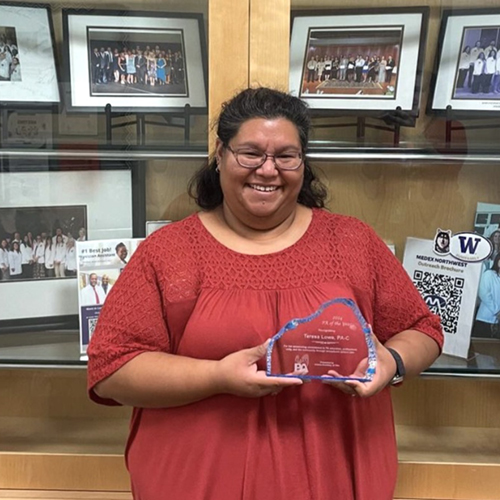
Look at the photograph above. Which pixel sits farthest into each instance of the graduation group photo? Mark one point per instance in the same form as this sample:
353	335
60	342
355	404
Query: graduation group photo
355	62
136	62
358	61
133	60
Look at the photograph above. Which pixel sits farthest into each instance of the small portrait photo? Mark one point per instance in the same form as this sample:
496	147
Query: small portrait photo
10	67
136	62
96	285
478	67
38	243
121	255
442	242
352	62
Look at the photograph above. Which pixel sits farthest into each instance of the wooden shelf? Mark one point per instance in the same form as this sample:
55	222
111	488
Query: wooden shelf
63	454
52	438
448	463
86	455
457	445
63	495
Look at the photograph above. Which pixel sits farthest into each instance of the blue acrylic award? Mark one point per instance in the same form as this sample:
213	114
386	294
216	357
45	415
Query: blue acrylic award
335	338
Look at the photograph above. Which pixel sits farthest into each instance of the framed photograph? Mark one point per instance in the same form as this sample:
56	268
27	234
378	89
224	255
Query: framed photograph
135	61
347	62
28	75
43	214
467	69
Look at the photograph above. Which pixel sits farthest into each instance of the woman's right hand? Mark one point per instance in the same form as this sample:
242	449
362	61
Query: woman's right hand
239	375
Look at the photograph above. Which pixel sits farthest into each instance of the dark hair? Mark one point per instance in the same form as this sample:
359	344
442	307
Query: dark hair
260	102
494	266
492	235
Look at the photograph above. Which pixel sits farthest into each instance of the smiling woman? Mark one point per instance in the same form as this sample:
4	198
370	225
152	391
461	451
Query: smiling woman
263	197
184	333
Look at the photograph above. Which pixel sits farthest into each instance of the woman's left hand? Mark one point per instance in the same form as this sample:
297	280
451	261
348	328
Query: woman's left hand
384	372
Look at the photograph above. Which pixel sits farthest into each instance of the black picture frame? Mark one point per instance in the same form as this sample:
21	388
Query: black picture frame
33	44
447	96
313	30
90	86
114	196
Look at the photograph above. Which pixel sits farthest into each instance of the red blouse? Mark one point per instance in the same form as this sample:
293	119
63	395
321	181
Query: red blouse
183	292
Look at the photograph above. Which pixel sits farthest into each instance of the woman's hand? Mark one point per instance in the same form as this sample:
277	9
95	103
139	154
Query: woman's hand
239	375
385	371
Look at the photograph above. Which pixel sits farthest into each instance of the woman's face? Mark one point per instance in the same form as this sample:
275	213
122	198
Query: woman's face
265	196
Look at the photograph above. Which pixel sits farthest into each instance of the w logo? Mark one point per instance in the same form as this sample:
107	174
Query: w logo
468	244
470	247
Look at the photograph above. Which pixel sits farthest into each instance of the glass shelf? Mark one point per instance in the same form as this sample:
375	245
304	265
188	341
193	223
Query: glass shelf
483	361
44	349
61	349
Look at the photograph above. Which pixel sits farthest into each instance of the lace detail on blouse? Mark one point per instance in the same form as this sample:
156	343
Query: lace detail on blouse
159	286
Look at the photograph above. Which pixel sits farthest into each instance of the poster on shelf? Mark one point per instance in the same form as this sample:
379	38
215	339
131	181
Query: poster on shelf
448	287
99	264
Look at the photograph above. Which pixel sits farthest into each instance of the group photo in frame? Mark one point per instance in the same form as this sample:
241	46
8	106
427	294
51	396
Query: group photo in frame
28	72
341	60
103	205
466	78
38	243
134	61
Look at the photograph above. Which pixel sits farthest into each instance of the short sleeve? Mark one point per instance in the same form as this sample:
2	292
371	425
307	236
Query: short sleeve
398	305
131	321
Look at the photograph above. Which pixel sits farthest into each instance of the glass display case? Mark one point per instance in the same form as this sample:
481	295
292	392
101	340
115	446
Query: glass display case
390	151
407	142
103	119
405	137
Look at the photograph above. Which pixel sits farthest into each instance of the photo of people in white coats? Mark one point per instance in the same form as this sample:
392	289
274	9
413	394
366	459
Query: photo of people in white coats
477	74
10	61
39	242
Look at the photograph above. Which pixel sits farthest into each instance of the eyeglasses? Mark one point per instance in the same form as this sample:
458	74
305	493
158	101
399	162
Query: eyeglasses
254	159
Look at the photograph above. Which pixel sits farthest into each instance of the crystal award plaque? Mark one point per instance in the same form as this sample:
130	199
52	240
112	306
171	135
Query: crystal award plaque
334	338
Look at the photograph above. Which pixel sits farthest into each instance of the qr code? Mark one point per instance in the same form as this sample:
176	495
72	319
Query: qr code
443	295
92	322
